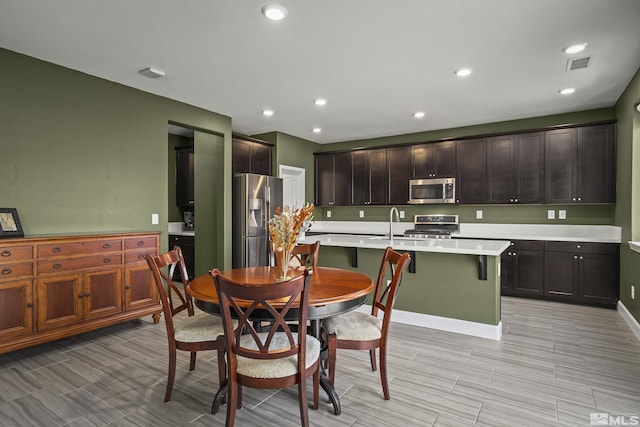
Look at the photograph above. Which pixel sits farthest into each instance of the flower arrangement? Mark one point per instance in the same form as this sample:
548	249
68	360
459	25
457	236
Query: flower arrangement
285	226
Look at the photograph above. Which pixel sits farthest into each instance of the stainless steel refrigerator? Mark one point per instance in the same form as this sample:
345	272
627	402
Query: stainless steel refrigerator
255	198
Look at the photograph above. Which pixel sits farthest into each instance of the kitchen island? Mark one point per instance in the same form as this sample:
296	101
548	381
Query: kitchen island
453	284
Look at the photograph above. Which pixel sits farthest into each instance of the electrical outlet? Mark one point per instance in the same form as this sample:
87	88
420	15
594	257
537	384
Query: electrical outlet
154	219
633	292
328	214
551	214
478	214
401	214
562	214
361	214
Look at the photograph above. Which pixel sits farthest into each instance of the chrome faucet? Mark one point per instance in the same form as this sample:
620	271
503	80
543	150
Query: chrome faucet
391	223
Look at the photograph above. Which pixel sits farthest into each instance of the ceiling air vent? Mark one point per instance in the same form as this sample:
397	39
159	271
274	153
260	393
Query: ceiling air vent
578	64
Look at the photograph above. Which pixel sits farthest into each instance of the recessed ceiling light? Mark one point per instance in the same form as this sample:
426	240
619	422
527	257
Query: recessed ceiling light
566	91
320	101
462	72
267	113
275	12
418	114
574	48
152	72
317	130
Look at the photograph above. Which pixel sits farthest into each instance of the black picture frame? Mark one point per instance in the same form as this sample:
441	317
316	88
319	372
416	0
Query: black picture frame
10	225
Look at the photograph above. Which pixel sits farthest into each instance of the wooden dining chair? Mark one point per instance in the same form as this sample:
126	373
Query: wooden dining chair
273	358
193	333
361	331
303	254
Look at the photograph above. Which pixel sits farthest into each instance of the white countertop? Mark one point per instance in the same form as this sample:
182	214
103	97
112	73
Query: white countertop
176	228
558	232
635	246
450	246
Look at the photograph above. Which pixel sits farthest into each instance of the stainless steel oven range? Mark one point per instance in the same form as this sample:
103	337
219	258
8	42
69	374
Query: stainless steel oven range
434	226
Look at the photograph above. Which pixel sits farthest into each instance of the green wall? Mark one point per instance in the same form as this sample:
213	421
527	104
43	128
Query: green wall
627	213
83	154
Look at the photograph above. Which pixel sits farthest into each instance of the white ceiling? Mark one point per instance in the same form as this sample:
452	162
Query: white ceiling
376	62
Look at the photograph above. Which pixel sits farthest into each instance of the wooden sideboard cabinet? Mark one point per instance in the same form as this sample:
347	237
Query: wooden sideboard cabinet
55	287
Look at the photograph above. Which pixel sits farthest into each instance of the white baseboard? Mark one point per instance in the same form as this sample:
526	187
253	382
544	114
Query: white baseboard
482	330
629	319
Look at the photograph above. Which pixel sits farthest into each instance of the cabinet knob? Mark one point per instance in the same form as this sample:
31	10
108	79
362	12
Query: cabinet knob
511	200
581	258
516	200
56	249
87	295
574	199
578	246
57	265
127	287
6	271
575	257
579	198
140	242
106	246
106	260
30	304
6	253
80	296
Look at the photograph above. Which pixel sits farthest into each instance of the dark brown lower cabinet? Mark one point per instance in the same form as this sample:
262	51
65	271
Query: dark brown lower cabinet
582	272
522	268
187	245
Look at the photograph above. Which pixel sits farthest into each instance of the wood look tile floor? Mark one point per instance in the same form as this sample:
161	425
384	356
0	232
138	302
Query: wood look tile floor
555	365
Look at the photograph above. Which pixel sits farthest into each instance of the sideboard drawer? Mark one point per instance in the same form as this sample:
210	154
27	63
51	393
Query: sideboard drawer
11	271
79	248
131	257
79	263
140	243
15	253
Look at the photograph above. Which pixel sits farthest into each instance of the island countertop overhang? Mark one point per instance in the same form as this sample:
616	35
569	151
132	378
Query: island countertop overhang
450	246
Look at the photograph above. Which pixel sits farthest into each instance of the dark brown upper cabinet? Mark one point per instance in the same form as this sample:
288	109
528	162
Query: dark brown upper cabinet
333	179
369	177
515	168
434	160
471	182
184	177
399	174
251	156
580	165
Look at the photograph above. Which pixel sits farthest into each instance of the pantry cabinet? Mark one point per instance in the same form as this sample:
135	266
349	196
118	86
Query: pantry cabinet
57	286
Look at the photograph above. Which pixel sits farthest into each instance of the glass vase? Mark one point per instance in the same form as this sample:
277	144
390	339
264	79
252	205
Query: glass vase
282	263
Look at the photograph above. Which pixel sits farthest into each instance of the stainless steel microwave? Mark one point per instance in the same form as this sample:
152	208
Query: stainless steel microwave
432	191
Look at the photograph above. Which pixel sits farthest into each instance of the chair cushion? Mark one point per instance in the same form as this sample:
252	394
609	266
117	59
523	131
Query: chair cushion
354	326
276	368
198	328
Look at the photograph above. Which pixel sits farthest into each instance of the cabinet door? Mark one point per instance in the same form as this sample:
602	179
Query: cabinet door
241	156
399	174
561	275
560	165
501	171
360	178
422	162
378	176
16	309
184	177
261	159
187	245
102	293
342	179
599	279
324	180
529	167
506	271
59	301
596	164
139	287
471	183
529	272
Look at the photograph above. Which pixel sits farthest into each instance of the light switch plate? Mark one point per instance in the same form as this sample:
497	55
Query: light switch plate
562	214
478	214
361	214
401	214
328	214
551	214
154	219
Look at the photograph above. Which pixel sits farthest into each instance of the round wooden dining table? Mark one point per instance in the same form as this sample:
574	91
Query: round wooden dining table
332	291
